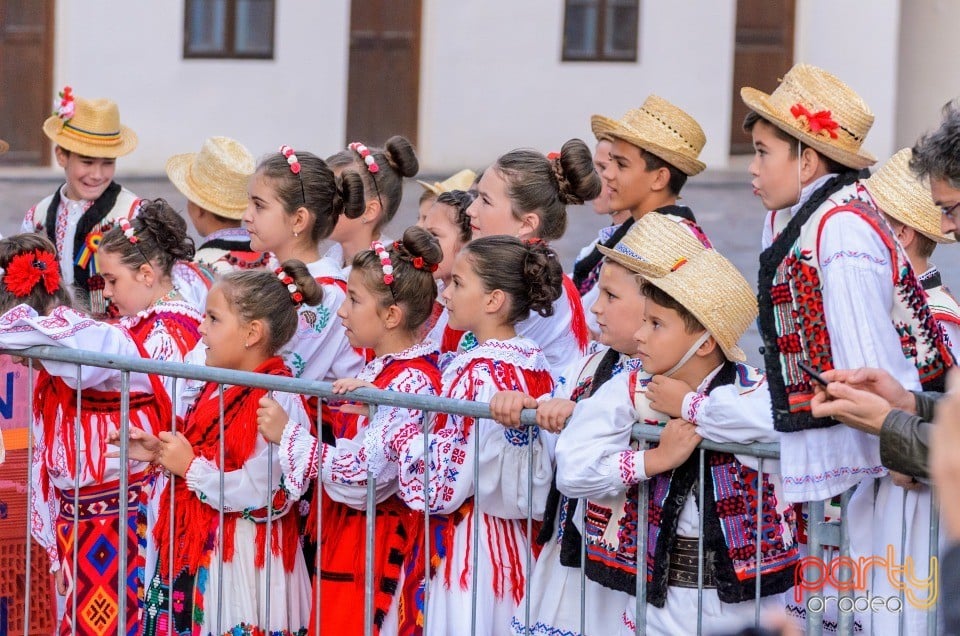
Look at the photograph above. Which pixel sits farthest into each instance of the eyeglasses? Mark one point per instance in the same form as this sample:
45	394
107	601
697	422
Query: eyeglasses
949	211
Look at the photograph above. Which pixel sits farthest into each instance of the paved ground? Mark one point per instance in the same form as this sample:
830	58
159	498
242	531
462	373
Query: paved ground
722	201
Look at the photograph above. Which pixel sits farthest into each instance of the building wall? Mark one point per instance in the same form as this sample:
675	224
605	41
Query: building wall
858	42
492	79
930	66
298	98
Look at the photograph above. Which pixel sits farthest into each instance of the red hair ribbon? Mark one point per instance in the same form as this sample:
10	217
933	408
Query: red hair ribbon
28	269
818	122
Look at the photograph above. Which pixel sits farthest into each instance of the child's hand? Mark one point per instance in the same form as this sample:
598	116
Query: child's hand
345	385
175	454
678	439
552	414
141	445
666	395
505	407
271	419
63	580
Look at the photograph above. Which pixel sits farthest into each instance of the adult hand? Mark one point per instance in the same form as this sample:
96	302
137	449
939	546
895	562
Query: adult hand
944	458
857	408
878	382
666	395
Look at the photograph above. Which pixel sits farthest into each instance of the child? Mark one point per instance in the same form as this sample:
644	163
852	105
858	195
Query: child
157	324
460	181
295	202
497	281
447	220
89	138
214	181
694	312
382	172
250	315
526	194
389	295
907	206
836	291
555	589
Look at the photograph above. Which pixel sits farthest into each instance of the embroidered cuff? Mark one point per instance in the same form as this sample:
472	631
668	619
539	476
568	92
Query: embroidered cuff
401	441
632	469
298	455
198	465
692	403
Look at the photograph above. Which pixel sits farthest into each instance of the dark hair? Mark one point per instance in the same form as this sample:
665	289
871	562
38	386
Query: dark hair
498	259
413	288
161	235
662	298
397	159
677	177
38	298
261	295
832	165
936	155
314	188
459	201
545	186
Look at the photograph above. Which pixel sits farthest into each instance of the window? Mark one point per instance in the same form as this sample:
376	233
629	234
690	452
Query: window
228	29
603	30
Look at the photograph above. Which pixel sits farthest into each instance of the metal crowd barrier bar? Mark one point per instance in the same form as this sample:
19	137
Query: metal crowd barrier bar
820	533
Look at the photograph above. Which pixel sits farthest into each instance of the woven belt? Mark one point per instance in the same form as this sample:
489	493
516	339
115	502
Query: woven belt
683	565
101	500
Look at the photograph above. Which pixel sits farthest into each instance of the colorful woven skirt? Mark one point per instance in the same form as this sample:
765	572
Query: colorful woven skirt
94	527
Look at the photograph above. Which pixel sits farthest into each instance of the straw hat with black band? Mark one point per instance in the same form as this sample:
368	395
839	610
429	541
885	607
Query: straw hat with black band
216	177
655	238
714	291
821	111
90	128
661	129
897	191
462	180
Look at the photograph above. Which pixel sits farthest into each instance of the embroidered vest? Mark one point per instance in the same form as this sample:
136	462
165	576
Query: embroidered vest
88	282
731	490
792	321
943	305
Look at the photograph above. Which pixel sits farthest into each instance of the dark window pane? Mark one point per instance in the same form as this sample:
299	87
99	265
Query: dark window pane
206	32
621	31
580	30
254	27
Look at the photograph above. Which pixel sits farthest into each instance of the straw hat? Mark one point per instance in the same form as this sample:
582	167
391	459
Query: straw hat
660	128
819	110
714	291
655	238
91	128
216	177
898	192
460	181
4	146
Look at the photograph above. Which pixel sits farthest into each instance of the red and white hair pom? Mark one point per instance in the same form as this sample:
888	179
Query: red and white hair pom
366	155
385	263
287	280
128	231
291	157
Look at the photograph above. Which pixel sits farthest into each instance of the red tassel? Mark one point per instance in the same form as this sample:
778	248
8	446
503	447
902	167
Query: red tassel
578	321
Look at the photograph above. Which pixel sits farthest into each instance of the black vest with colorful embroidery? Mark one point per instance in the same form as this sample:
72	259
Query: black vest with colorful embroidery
792	321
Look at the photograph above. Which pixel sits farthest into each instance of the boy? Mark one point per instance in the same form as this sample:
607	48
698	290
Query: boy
695	311
836	291
907	206
214	181
89	137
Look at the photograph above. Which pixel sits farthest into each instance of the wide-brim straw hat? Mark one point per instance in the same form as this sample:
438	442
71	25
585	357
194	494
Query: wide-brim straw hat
216	177
898	192
94	130
655	238
462	180
660	128
4	146
817	108
714	291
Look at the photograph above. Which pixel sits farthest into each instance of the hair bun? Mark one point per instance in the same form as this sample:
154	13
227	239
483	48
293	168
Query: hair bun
543	275
167	229
305	282
577	177
418	243
401	156
348	196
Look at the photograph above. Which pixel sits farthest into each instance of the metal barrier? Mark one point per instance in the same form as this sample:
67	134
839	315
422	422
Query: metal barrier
820	532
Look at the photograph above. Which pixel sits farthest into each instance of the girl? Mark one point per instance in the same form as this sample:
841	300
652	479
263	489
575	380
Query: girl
295	201
382	171
525	194
487	297
250	316
447	220
135	261
389	295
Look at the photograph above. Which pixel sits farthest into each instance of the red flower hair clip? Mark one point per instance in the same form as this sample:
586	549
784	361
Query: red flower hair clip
553	156
418	263
292	160
128	230
818	123
385	263
27	269
295	295
366	155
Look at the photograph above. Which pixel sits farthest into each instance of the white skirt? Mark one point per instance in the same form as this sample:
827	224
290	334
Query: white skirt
679	614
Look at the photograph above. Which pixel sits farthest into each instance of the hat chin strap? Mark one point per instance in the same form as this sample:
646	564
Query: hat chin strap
689	354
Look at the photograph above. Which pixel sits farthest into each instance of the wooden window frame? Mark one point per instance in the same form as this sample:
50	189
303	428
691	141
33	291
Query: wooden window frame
228	53
599	54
